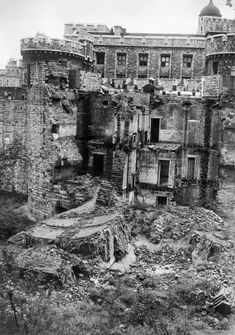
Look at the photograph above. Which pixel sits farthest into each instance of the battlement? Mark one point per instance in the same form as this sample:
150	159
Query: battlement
70	28
156	40
208	24
220	44
44	43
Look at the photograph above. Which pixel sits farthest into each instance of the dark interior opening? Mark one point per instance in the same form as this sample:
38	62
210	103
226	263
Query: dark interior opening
155	123
28	75
164	173
55	128
162	201
98	165
59	209
215	67
105	103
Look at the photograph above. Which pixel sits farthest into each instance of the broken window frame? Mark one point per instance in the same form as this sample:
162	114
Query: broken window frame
121	59
165	60
161	184
187	61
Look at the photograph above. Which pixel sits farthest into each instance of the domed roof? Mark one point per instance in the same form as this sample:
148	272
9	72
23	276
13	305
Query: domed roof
210	10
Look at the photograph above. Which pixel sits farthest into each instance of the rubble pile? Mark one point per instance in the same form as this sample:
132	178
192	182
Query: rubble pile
48	261
171	246
181	241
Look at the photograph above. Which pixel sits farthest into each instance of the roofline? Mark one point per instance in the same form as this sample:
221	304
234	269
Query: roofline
142	34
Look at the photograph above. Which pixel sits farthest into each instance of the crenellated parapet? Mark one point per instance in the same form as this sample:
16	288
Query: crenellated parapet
154	40
42	43
220	44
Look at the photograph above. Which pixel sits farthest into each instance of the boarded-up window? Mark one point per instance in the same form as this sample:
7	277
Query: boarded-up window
191	168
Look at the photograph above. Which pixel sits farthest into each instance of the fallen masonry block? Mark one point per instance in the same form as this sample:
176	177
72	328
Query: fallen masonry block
47	261
224	300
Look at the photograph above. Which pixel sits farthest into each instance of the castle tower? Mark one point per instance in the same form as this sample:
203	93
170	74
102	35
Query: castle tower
210	19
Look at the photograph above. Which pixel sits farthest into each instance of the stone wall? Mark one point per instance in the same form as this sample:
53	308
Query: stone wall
153	69
14	156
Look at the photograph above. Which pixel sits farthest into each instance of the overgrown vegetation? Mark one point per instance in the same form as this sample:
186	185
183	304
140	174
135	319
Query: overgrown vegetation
12	218
29	305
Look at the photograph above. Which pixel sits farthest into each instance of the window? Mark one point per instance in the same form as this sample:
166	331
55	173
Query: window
121	75
155	129
165	60
215	67
143	59
162	201
163	173
121	59
187	61
142	75
100	56
191	168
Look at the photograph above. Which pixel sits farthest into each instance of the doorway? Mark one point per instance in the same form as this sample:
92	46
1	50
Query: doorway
98	165
163	173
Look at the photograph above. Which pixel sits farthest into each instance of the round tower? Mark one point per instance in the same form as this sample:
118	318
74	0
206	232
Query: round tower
209	19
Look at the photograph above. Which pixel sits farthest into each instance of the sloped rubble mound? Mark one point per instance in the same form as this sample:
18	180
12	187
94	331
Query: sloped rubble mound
90	231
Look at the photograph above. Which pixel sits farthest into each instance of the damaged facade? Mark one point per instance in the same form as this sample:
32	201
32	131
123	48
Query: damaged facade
161	146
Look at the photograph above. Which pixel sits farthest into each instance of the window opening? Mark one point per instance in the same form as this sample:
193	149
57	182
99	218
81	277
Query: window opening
121	59
163	172
161	201
165	60
187	61
100	58
215	67
143	59
155	129
191	168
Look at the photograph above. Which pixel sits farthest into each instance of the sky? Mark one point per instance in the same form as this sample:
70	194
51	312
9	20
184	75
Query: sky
24	18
